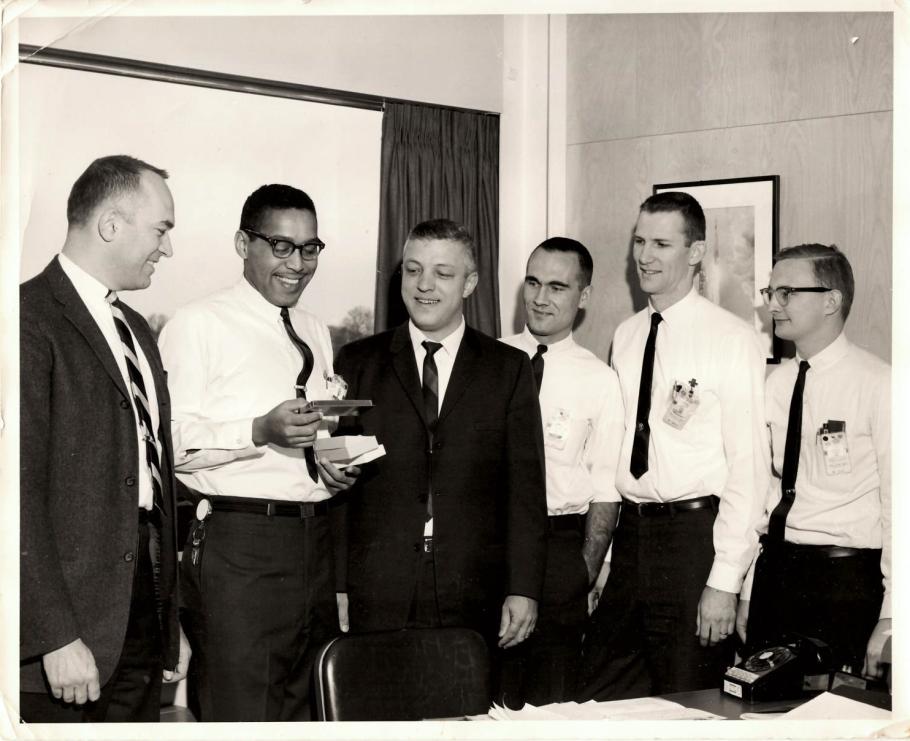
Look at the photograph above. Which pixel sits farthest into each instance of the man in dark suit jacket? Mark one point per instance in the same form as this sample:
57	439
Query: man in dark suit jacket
448	528
98	630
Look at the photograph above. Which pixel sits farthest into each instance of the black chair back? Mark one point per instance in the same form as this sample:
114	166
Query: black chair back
411	674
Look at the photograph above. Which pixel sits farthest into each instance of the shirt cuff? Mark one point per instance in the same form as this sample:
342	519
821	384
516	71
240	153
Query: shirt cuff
885	612
725	577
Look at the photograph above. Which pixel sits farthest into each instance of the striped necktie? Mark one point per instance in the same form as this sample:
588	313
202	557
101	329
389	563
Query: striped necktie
140	396
430	404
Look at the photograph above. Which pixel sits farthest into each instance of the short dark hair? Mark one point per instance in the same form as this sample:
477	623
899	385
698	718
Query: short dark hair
692	214
106	177
446	229
830	266
276	197
573	246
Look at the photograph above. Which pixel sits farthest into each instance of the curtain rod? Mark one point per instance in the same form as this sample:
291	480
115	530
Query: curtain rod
86	62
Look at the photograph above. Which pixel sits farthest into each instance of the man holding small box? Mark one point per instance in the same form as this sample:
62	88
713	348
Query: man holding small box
257	570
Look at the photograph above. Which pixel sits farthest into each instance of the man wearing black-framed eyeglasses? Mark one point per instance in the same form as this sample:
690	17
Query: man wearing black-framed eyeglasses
824	569
257	574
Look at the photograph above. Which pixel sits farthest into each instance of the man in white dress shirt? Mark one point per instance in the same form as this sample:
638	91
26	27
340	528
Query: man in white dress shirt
825	564
692	473
257	583
582	415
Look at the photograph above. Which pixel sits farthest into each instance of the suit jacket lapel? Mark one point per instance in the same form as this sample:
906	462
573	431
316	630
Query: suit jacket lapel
462	372
77	313
405	366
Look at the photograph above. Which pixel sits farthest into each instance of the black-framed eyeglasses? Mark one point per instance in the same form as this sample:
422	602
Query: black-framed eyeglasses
282	248
782	293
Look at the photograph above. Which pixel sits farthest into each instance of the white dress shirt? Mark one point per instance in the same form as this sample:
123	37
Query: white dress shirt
582	413
833	506
93	295
230	360
445	361
722	449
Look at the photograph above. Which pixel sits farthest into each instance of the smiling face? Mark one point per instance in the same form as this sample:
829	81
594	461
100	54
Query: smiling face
664	259
553	294
144	219
279	280
434	283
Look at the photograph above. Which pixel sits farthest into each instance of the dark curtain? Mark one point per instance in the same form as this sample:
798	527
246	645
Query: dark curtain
438	163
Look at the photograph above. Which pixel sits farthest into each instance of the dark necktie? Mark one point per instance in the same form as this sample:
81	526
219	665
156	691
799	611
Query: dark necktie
430	404
308	454
537	366
639	462
778	520
140	397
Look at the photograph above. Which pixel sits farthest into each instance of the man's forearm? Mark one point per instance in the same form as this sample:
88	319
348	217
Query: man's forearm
599	526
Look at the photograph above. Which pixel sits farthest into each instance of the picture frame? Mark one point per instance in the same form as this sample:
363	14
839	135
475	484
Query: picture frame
741	235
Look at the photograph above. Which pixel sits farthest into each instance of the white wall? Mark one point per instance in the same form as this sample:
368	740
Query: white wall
489	62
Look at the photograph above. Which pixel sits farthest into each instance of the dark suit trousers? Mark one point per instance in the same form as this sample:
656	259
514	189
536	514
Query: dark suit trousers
799	590
641	639
257	607
133	693
544	668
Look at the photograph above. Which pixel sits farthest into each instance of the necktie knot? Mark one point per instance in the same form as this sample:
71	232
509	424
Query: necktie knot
111	297
804	366
656	318
431	347
541	349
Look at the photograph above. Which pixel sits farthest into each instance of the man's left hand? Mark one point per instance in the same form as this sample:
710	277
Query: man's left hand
519	616
716	617
335	479
873	666
183	662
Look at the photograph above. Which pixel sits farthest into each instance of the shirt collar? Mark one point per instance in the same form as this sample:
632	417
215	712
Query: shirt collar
256	302
565	344
90	289
680	309
450	344
831	355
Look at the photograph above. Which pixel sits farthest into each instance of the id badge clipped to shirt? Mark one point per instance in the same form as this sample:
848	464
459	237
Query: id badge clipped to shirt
556	429
832	440
684	401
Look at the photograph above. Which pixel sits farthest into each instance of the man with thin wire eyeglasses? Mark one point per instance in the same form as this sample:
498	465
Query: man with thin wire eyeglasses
824	570
256	575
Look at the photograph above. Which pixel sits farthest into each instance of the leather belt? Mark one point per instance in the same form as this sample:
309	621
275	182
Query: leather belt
820	551
668	509
268	507
573	522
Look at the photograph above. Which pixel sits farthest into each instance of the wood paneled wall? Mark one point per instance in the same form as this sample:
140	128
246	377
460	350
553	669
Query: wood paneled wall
664	98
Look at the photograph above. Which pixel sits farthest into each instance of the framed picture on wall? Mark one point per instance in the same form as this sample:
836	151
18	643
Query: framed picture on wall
741	226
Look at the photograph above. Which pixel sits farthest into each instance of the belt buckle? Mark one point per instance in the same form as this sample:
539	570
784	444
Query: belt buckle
270	509
428	544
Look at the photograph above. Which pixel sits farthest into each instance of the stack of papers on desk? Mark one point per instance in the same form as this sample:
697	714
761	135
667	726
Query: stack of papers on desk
640	708
828	706
348	450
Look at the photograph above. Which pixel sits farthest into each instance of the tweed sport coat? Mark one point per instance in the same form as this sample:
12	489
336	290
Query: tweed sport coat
78	482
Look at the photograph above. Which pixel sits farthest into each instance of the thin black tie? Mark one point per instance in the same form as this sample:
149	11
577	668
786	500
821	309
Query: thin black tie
140	398
430	404
537	366
639	463
308	454
777	523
